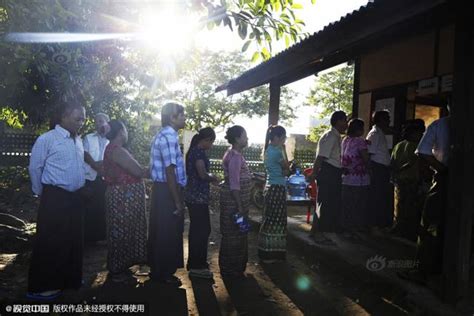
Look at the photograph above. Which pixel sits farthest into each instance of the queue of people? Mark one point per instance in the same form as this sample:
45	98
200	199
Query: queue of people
100	179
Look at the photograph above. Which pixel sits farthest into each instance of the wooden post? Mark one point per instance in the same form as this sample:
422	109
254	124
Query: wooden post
457	247
274	108
356	88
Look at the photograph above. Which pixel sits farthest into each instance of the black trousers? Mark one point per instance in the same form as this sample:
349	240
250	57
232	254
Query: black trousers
329	199
165	239
430	247
94	210
381	196
56	260
199	231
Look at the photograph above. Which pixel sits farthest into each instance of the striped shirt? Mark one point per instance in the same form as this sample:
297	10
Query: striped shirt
165	152
57	159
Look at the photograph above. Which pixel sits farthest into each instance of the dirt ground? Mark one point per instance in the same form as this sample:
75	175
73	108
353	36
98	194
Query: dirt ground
299	286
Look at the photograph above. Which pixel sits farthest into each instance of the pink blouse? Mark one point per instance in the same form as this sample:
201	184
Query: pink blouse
235	168
355	170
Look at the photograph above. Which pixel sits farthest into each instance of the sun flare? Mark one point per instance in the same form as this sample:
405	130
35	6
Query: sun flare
167	31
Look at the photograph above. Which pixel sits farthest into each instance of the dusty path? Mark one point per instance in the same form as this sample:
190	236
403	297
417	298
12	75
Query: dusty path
298	286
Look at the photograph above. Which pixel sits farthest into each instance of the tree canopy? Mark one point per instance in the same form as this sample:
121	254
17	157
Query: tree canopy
115	76
332	91
204	107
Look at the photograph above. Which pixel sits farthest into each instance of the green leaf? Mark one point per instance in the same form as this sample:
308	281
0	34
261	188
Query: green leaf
246	46
287	40
255	56
243	30
297	6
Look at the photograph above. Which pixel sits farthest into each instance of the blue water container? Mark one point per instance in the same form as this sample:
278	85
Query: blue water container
297	186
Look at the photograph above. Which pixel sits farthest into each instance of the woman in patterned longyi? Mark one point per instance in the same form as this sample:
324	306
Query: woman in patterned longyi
125	205
272	235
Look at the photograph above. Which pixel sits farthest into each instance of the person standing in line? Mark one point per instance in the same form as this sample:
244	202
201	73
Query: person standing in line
272	235
406	175
165	240
57	174
381	200
94	212
125	205
327	171
234	199
434	150
196	196
355	179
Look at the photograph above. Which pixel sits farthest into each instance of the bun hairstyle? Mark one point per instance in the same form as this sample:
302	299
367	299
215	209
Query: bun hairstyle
272	132
234	132
115	127
204	133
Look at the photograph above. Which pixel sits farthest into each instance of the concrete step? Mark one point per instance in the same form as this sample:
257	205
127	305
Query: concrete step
377	259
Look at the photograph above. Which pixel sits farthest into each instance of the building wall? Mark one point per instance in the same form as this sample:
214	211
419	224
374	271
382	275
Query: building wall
404	61
392	73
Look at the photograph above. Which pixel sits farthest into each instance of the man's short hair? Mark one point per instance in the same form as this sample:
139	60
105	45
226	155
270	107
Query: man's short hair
67	108
379	116
170	110
105	116
337	116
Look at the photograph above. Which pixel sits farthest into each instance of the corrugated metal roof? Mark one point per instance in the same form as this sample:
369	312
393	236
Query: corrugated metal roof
370	4
344	32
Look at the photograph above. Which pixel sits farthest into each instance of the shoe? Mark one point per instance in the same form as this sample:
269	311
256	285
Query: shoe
201	273
171	280
44	296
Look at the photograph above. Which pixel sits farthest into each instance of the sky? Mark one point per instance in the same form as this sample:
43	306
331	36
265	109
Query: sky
316	17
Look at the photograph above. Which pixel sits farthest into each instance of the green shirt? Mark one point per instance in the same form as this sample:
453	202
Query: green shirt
273	158
405	162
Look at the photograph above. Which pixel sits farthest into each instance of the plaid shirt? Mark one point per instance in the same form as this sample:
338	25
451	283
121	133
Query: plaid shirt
165	152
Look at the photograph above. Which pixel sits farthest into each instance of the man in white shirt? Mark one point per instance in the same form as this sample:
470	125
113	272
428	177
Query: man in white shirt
381	191
94	147
57	174
327	172
434	150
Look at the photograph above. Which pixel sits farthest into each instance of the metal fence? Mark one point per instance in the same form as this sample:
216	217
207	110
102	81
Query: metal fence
15	148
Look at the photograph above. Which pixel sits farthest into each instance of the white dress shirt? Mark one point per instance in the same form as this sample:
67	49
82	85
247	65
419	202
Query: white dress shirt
435	141
57	159
378	148
329	147
94	144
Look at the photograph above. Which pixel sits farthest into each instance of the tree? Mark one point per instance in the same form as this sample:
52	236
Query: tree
204	107
111	75
333	91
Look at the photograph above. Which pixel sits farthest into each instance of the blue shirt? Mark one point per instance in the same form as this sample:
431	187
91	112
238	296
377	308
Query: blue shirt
197	189
165	152
273	158
57	159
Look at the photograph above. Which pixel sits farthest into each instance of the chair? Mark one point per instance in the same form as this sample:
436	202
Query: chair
313	194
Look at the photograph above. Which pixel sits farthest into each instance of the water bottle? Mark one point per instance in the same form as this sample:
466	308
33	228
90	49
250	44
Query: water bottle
242	223
297	186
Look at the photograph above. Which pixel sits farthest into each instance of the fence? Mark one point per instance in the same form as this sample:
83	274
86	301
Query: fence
253	156
15	150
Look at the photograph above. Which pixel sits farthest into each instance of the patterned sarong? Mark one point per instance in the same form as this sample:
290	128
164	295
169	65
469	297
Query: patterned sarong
126	226
233	254
272	235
